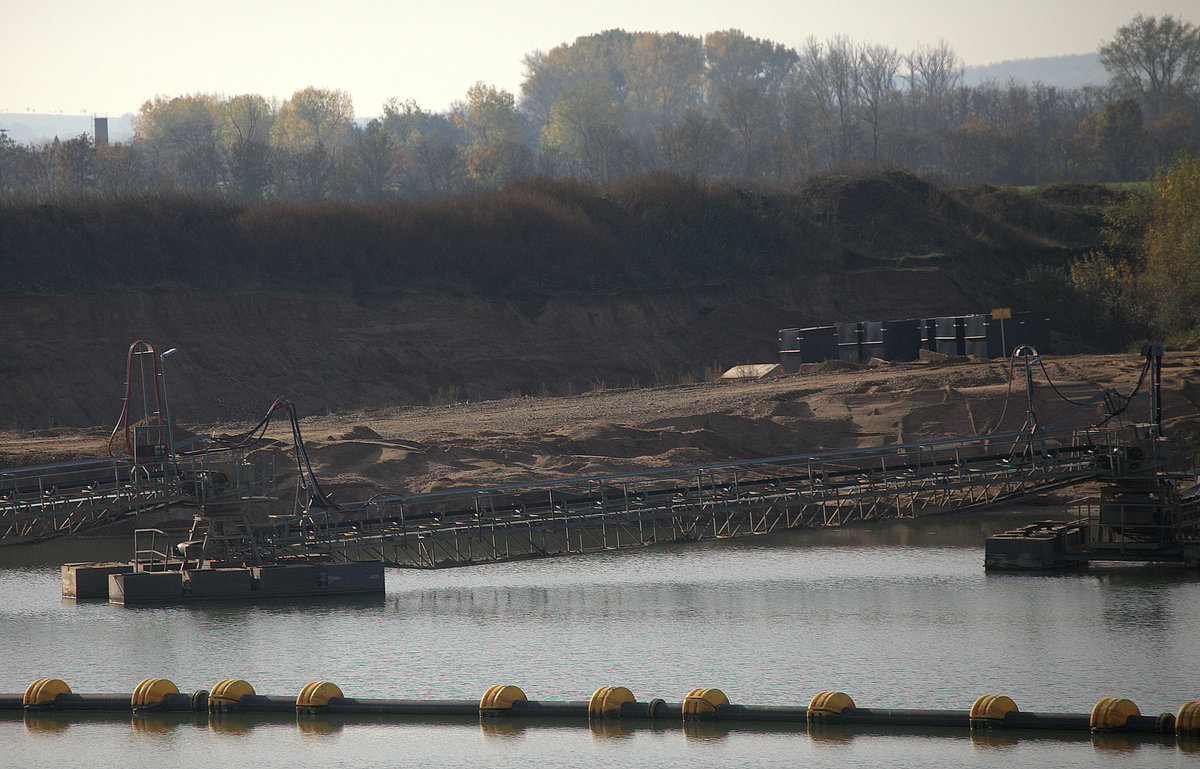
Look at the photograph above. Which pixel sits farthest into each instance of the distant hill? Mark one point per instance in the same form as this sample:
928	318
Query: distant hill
27	127
1073	71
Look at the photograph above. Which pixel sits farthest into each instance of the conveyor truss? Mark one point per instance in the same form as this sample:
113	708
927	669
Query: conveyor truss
221	477
733	499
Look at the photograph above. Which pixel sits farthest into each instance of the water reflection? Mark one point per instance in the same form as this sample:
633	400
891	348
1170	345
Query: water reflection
609	728
831	734
38	721
318	725
899	615
155	723
54	553
706	731
502	728
996	740
1112	742
1188	743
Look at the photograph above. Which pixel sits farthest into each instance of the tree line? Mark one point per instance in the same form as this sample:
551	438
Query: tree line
619	104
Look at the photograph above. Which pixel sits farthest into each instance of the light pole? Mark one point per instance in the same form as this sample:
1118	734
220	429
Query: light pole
162	372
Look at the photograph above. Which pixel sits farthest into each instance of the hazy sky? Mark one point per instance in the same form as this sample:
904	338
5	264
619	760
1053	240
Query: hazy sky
89	56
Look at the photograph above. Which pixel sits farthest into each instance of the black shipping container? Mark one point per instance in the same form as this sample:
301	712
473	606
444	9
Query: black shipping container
818	343
901	340
808	345
951	335
928	333
872	340
849	342
975	336
1029	328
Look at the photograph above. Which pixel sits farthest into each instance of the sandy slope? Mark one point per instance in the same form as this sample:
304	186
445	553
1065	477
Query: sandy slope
828	406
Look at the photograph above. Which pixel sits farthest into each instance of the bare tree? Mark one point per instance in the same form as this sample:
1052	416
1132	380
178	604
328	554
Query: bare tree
829	72
878	66
695	144
1155	61
934	70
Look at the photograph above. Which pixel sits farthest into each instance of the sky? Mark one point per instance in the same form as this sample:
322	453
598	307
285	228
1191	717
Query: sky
88	57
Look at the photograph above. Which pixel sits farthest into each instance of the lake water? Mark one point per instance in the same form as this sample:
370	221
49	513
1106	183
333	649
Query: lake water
898	615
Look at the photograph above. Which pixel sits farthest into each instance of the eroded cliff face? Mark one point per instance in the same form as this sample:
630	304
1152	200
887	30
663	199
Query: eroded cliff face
62	358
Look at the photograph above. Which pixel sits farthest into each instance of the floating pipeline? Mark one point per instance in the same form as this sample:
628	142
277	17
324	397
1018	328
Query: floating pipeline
608	703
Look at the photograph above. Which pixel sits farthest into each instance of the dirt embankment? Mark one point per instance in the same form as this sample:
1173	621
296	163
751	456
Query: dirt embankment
412	449
62	358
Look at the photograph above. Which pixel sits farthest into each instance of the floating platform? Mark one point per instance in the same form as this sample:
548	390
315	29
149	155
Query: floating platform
1047	546
123	584
1136	520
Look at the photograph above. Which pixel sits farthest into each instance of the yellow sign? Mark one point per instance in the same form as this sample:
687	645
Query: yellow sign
1002	313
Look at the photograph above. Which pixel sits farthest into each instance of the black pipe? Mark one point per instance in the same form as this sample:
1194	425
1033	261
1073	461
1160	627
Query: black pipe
171	703
1163	724
72	701
264	703
551	709
779	713
1070	722
654	709
896	717
402	707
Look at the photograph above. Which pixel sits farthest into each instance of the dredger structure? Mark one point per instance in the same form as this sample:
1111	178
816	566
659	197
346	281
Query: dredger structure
1147	507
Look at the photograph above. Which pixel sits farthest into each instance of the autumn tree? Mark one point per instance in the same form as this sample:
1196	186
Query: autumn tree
587	126
1171	246
496	153
10	153
374	153
744	78
489	116
1121	138
314	116
309	133
663	78
406	120
71	165
601	57
179	135
1155	61
436	166
118	168
733	59
431	159
245	132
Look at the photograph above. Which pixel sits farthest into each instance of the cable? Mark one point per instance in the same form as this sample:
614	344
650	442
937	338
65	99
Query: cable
1007	395
1114	410
1050	382
253	435
307	478
123	420
303	465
